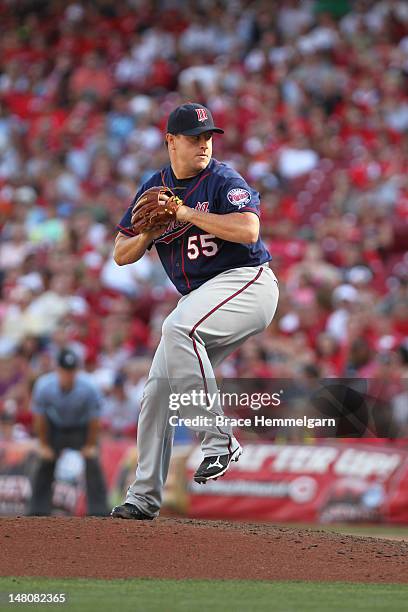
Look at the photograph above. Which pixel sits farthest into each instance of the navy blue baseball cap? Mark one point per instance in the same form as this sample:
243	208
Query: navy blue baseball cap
68	359
190	120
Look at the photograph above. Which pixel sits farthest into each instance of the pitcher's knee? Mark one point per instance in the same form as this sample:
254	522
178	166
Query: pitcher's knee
173	329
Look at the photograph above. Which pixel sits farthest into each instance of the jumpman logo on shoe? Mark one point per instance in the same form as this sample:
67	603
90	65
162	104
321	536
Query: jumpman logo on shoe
215	464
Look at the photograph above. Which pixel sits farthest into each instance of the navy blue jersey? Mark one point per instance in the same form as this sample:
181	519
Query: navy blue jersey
189	255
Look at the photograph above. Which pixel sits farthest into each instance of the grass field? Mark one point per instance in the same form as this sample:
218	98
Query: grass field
218	596
377	531
364	529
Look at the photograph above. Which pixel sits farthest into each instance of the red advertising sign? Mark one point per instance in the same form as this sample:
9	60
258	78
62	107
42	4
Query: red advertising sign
307	483
326	482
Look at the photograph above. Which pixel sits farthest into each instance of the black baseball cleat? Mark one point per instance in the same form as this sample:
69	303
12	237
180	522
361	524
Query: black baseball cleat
129	511
213	467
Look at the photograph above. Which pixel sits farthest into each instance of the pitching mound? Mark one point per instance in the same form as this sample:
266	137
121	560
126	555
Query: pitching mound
183	548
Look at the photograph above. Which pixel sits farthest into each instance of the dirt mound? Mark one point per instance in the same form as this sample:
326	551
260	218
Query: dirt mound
184	548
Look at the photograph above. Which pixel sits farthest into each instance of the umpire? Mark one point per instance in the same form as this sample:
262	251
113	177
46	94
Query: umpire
66	407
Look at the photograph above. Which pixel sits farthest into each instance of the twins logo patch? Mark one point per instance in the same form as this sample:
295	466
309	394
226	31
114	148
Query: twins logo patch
239	197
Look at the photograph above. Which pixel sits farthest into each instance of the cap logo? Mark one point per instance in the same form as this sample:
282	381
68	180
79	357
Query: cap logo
201	114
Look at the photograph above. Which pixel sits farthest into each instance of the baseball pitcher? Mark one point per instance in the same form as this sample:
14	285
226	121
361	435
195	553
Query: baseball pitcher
203	219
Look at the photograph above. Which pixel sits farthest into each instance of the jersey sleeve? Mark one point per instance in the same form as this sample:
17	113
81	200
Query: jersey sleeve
125	224
236	195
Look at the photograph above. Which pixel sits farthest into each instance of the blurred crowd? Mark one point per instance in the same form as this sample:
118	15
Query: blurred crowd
312	96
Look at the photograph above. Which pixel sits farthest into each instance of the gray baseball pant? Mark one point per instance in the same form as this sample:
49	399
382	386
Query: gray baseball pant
207	325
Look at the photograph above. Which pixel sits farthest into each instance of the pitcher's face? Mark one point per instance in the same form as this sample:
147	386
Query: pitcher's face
189	155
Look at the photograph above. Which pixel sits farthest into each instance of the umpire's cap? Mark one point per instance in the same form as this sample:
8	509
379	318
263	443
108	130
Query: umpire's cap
67	359
191	119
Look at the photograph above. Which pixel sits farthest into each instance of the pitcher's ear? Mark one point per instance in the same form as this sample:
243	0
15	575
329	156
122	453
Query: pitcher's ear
170	141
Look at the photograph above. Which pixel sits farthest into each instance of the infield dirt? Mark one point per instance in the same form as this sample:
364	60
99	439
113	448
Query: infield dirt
183	548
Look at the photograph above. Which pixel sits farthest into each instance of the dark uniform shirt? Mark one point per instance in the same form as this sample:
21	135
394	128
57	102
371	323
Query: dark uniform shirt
190	255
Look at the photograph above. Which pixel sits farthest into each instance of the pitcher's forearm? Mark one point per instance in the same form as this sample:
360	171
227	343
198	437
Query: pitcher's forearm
234	227
129	250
